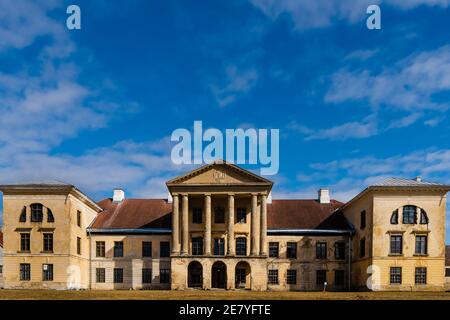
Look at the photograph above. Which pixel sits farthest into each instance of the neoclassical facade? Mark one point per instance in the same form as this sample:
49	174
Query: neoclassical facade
221	229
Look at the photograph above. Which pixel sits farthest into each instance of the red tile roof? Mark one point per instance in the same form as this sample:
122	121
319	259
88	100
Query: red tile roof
281	214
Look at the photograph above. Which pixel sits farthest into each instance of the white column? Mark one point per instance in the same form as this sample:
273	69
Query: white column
230	226
263	236
185	229
175	225
207	239
254	226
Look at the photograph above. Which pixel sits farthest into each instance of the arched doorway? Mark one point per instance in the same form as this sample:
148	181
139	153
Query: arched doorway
242	275
195	275
219	275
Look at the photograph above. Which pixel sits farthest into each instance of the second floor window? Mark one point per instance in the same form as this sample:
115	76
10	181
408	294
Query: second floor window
321	250
219	215
197	246
164	249
48	242
100	248
241	215
273	249
78	218
396	244
146	249
421	245
25	242
339	250
219	247
197	215
363	220
362	248
78	245
241	246
291	250
37	212
409	214
118	248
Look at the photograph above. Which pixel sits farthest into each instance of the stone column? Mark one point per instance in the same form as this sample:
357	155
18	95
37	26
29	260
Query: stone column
207	239
230	226
263	236
254	226
185	221
175	225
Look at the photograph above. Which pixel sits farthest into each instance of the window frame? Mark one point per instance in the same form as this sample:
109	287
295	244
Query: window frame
421	245
219	244
164	275
241	246
241	215
272	245
420	276
147	248
164	249
100	249
47	275
411	215
78	218
338	246
25	241
118	275
100	275
78	246
291	276
394	277
393	243
321	250
321	275
272	277
362	247
197	215
25	271
363	222
197	246
291	250
37	212
147	276
47	242
219	215
118	249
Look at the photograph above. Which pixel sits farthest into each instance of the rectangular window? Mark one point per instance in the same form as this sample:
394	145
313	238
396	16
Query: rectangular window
100	275
339	250
25	272
78	245
321	277
396	275
146	275
164	249
291	277
78	218
321	250
37	212
48	242
47	272
118	275
291	250
241	215
409	214
241	246
362	248
219	247
363	220
240	277
447	272
164	275
219	215
273	276
339	277
197	215
273	249
100	248
197	246
421	245
146	249
25	242
118	249
396	244
421	275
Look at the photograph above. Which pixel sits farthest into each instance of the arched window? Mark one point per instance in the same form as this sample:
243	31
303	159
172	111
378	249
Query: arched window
423	217
409	214
37	212
50	217
394	217
23	215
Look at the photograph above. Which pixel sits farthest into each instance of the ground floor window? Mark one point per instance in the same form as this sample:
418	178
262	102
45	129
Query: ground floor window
339	277
396	275
447	272
273	276
100	275
47	272
421	275
291	277
219	247
321	277
118	275
146	275
164	276
25	271
240	277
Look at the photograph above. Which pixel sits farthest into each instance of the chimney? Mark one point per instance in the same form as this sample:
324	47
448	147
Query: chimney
118	195
324	195
418	179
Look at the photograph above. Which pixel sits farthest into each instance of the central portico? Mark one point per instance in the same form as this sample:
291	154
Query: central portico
219	223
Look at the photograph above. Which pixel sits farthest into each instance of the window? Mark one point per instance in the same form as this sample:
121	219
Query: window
197	215
146	249
394	217
291	250
421	245
146	275
164	249
118	249
321	277
47	272
241	215
339	250
100	275
48	242
396	275
78	245
291	277
240	277
409	214
164	276
421	275
79	218
25	272
50	217
321	250
219	215
362	248
423	217
36	212
363	220
100	248
339	279
23	215
273	249
219	247
197	246
396	244
273	276
25	242
241	246
1	269
118	275
447	272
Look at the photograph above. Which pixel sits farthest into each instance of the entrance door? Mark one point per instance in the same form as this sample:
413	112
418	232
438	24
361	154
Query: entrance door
219	275
195	275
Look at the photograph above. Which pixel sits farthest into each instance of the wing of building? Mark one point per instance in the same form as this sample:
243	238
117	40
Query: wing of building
220	228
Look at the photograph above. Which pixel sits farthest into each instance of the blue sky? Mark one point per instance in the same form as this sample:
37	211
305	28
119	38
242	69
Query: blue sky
96	107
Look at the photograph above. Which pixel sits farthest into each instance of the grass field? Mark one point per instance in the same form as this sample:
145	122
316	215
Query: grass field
216	295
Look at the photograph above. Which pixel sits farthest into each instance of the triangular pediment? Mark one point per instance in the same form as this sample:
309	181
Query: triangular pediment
219	173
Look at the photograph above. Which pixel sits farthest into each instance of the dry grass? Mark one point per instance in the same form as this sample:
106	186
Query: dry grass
216	295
